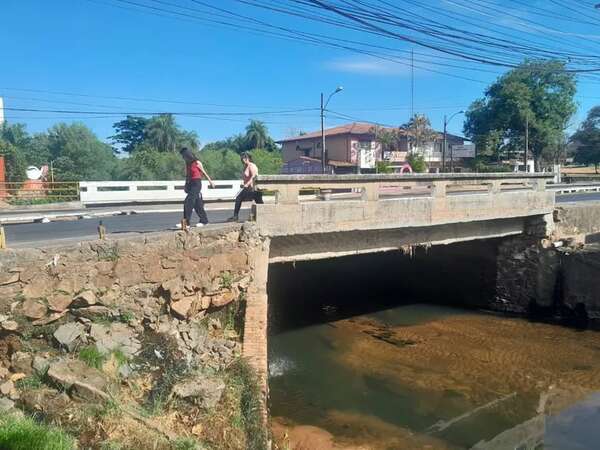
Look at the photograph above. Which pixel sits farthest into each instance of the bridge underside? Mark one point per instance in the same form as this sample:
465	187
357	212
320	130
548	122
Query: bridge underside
302	247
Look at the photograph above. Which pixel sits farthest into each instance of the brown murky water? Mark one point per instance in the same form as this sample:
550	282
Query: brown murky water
429	377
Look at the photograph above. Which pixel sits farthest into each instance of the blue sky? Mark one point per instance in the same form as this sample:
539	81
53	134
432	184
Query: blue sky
101	50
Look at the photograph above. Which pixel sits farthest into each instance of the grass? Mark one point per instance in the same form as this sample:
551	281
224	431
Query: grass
226	280
186	444
92	357
245	381
108	254
126	317
26	434
34	381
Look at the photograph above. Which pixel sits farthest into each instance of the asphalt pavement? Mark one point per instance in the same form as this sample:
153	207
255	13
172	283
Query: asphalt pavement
42	234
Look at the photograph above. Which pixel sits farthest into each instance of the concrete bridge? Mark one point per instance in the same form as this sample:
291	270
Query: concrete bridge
354	214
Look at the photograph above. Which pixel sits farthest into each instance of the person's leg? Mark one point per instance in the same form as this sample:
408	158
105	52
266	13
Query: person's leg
199	208
242	196
195	188
188	206
258	197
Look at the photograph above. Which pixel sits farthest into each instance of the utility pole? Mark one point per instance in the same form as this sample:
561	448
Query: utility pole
444	145
526	141
323	162
412	83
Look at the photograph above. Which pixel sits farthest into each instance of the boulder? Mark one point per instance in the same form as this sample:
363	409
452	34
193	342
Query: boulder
69	334
117	336
93	312
21	362
10	325
84	299
7	387
60	302
33	309
50	402
40	364
6	405
223	299
79	379
173	288
206	393
181	308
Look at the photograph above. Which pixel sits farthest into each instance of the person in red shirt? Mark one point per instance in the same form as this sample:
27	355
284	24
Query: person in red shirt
194	171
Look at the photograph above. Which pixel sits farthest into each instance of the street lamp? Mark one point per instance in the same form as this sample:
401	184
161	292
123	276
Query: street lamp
446	121
323	107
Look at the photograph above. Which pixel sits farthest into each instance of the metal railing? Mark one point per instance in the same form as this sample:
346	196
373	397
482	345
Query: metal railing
37	192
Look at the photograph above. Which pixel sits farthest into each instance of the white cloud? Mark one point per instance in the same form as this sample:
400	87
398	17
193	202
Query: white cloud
367	66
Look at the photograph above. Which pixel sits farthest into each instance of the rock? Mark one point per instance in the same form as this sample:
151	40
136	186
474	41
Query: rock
50	402
128	272
8	278
51	318
79	379
33	309
93	312
117	336
21	362
3	372
214	324
3	318
174	288
10	325
205	302
6	405
181	308
7	388
60	302
40	364
85	298
206	393
223	299
68	335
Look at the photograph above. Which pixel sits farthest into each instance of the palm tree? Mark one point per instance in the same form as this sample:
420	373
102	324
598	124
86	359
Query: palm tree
162	132
420	131
257	134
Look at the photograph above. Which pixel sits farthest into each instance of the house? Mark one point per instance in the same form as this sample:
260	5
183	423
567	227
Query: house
353	148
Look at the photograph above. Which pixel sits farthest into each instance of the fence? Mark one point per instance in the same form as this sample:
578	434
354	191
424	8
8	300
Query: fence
37	192
115	192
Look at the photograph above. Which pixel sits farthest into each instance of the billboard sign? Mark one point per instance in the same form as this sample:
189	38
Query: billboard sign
463	151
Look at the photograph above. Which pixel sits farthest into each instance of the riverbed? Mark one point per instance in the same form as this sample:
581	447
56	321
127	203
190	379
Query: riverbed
431	377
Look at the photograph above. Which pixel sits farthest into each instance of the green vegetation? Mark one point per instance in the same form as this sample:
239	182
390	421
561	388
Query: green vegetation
34	381
26	434
587	139
538	96
417	162
383	167
150	147
92	357
245	382
226	280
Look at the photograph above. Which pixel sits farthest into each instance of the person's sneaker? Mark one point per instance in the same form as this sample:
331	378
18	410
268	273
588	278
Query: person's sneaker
200	225
178	226
232	219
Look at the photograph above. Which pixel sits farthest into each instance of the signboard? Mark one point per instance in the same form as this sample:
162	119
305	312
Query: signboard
462	151
395	156
367	158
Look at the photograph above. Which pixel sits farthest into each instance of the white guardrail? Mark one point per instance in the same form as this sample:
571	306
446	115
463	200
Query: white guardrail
564	188
115	192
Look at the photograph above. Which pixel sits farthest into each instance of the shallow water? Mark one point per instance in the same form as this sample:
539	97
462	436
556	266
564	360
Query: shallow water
424	376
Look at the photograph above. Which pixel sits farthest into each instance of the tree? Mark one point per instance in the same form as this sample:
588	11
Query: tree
420	131
256	134
221	164
162	133
388	137
13	140
587	139
78	154
130	132
417	162
537	95
269	163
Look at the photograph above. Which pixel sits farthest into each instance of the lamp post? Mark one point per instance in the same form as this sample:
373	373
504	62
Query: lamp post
446	121
323	107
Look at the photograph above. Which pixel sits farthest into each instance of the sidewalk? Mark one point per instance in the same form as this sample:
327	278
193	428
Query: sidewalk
28	216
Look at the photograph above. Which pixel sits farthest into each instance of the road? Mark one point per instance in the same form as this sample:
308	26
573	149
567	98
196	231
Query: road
38	234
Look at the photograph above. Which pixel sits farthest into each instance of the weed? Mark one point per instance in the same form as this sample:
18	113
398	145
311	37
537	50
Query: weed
110	445
26	434
108	254
91	356
244	380
33	381
110	408
41	332
120	357
226	280
186	444
126	317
